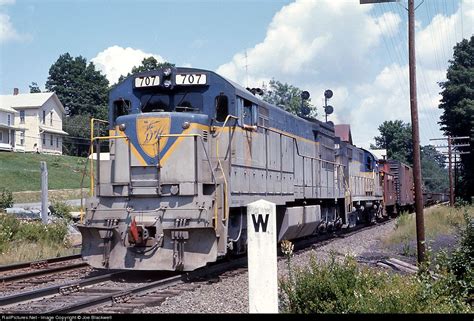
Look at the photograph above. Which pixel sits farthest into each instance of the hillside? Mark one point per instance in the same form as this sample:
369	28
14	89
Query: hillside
21	171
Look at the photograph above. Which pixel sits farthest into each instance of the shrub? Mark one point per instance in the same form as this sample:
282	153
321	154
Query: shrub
344	287
9	226
61	209
6	198
460	202
461	262
13	231
38	232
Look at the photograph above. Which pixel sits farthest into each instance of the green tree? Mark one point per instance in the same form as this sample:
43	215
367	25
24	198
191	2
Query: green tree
395	137
457	103
77	143
34	88
287	97
148	64
81	88
433	170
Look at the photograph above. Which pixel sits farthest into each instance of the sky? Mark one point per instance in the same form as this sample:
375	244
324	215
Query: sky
360	52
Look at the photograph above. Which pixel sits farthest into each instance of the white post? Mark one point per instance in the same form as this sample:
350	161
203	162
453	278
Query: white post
44	192
262	257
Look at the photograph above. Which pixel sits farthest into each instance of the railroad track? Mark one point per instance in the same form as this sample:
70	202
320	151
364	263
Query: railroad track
120	291
36	264
28	270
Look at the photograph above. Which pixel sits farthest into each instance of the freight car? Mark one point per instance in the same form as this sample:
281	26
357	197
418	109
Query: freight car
399	189
190	149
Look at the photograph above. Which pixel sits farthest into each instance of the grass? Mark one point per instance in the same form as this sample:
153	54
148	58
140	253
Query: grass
21	171
440	220
27	251
62	194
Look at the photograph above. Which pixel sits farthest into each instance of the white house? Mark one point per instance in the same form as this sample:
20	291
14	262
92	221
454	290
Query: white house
39	118
8	130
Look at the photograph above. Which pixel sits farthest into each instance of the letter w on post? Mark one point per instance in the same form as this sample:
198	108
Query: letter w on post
257	222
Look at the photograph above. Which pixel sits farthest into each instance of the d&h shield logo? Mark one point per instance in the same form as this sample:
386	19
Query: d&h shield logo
149	129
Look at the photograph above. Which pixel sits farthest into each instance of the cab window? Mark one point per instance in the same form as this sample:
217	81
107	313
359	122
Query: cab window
121	107
248	112
368	164
222	107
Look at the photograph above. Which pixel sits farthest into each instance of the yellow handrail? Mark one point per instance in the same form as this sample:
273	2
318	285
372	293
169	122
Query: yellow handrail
92	138
222	169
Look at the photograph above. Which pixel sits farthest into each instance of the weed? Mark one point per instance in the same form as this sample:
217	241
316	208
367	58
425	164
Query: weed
60	209
6	198
13	231
9	227
406	250
461	262
343	287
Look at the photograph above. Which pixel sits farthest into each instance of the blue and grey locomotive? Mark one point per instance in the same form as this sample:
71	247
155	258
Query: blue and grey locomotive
190	149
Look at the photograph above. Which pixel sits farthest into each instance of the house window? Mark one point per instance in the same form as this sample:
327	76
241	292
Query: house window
9	119
1	137
22	116
51	140
51	118
44	139
44	116
22	138
57	141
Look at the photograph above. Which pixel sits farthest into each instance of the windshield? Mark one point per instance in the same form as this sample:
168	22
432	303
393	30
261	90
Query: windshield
184	101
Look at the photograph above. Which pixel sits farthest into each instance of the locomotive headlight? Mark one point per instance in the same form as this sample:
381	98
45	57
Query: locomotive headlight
122	127
186	125
167	83
174	189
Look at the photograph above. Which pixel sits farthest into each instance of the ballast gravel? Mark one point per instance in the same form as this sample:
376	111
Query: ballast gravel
230	294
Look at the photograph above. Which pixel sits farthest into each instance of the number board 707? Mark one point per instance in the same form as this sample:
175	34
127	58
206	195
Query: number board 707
191	79
147	81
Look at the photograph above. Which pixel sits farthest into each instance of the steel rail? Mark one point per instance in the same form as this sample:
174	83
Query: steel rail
55	289
111	296
17	266
39	272
153	286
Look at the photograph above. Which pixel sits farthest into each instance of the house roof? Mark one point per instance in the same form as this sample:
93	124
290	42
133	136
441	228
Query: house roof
23	101
9	127
343	131
53	130
5	107
379	153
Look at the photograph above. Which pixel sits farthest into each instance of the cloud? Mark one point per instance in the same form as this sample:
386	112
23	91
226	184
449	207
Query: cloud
306	39
116	61
307	45
7	30
434	43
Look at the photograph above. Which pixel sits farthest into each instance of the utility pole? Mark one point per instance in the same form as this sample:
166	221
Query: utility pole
450	171
420	224
452	148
